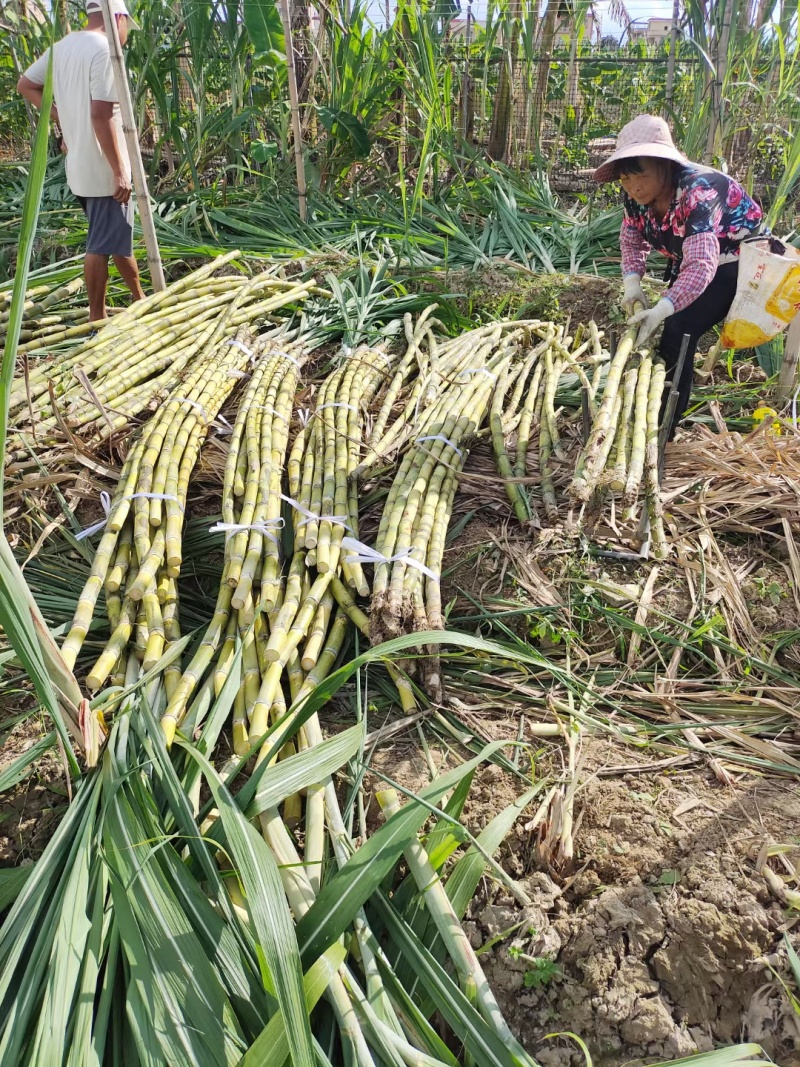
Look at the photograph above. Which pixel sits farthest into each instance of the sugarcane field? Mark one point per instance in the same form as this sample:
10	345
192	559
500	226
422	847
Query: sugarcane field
400	550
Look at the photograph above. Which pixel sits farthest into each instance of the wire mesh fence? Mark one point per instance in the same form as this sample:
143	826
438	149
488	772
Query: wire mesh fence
563	114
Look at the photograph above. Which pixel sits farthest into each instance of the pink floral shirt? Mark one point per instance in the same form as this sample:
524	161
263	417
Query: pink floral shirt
708	218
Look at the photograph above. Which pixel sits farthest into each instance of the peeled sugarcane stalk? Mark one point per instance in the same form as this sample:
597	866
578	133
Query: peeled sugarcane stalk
588	472
653	487
622	442
639	432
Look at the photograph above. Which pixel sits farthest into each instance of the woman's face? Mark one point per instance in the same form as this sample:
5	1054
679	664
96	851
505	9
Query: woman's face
646	187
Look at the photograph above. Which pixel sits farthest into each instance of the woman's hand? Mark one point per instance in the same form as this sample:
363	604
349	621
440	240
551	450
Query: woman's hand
648	321
632	295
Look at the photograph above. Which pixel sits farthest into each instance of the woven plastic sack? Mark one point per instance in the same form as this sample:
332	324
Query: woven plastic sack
767	293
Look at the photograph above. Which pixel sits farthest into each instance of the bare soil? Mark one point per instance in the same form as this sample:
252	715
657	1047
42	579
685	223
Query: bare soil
656	941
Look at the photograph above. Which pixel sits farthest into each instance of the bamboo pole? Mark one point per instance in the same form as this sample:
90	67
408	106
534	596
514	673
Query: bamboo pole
134	151
466	88
720	72
294	105
787	379
673	48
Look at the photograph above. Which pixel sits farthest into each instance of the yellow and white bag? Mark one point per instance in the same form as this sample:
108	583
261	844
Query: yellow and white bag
767	293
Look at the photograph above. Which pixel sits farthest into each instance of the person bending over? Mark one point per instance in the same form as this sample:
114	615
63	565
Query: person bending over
695	216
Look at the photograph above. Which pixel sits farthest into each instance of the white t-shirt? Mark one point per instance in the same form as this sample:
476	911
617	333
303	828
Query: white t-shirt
82	72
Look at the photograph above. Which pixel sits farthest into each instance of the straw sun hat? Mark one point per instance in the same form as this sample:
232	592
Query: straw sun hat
646	135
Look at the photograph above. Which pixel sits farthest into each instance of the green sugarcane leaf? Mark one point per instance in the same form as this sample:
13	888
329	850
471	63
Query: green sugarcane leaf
80	1036
269	912
468	871
480	1040
12	880
262	20
340	899
724	1057
306	768
179	990
271	1047
32	926
14	772
64	967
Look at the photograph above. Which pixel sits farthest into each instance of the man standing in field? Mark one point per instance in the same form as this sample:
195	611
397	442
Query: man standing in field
98	168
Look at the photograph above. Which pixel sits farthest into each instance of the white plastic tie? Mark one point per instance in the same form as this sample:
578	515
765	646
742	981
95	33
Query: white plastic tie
266	527
480	370
155	496
291	358
193	404
304	415
234	373
242	348
271	410
309	516
105	500
364	554
440	437
222	426
337	404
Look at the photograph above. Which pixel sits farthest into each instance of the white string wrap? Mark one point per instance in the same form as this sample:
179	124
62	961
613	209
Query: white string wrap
440	437
193	404
480	370
105	501
304	415
234	373
154	496
291	358
242	348
222	425
364	554
266	527
309	516
337	404
271	410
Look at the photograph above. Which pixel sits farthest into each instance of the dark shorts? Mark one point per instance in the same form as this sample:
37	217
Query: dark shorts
110	226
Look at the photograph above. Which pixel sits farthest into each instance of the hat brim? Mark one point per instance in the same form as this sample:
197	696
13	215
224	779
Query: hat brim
132	23
647	149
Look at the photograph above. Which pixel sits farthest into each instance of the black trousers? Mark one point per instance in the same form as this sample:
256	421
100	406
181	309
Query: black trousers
708	310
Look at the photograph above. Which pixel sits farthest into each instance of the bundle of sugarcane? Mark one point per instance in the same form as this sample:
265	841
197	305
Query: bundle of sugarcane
139	556
282	621
47	310
531	407
134	361
409	549
436	364
621	453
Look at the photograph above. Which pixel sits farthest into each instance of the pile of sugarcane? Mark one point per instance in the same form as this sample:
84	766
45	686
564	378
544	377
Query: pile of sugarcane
138	561
621	454
48	315
132	362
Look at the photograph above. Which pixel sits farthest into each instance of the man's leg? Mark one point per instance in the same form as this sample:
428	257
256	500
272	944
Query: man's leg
698	318
129	269
95	272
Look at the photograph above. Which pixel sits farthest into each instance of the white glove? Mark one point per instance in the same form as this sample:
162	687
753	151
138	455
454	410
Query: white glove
648	321
632	293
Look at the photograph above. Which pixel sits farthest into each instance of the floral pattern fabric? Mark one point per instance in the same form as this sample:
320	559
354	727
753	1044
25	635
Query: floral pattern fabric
705	202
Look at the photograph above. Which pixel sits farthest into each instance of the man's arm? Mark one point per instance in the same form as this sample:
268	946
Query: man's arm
34	93
106	134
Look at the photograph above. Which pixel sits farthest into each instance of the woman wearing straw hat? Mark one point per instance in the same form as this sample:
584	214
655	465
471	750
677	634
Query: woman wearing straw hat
695	216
